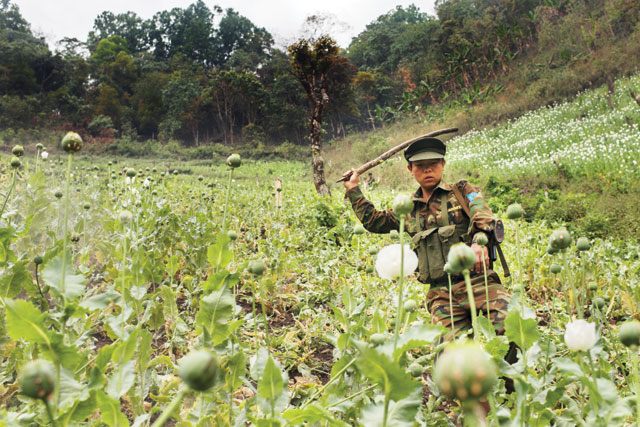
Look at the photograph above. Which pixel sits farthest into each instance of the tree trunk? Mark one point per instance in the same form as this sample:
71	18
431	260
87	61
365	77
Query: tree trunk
317	162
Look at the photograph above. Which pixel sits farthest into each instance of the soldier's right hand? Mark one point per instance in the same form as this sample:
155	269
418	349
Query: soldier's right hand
352	181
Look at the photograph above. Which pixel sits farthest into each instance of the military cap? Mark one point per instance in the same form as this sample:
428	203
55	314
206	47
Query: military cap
426	148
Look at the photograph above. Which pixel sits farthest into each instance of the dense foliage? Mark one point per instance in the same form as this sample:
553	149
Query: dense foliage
202	75
141	294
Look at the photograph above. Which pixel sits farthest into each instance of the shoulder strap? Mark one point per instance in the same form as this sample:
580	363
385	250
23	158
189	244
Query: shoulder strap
465	207
461	200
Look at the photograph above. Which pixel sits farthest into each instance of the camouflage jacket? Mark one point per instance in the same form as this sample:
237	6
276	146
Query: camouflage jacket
426	213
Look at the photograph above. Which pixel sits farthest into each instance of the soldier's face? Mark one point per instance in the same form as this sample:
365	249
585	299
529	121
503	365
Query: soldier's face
427	173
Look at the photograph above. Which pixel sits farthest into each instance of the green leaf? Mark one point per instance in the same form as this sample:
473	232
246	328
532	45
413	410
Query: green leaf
312	414
80	410
124	351
73	284
260	361
377	323
144	349
110	411
568	366
523	332
121	380
497	347
216	310
217	280
486	327
414	337
15	280
71	391
401	413
219	255
271	384
169	303
26	322
100	301
387	374
237	367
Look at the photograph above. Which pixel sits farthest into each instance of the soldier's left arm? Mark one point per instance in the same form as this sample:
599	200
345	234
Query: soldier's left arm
482	219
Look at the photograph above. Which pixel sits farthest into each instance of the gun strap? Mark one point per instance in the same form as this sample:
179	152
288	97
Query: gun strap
465	207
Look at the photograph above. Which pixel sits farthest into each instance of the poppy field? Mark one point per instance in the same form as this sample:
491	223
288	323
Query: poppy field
133	293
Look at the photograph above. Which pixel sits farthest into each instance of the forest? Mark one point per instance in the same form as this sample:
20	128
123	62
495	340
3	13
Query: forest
201	75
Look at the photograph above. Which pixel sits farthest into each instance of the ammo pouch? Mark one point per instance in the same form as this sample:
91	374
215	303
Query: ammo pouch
432	247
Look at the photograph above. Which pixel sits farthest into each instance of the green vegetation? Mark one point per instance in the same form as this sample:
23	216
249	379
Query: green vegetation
158	312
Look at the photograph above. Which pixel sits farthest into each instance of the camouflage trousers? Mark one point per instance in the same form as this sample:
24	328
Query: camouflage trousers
440	308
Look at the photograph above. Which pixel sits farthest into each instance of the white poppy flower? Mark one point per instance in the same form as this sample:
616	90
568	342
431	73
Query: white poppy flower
388	261
146	183
44	155
580	335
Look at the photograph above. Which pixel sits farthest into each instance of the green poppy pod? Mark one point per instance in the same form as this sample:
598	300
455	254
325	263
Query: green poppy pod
461	257
256	267
599	303
378	339
416	370
359	229
560	239
465	372
368	269
583	244
72	142
86	206
18	151
593	286
629	334
514	211
482	239
447	268
39	146
37	379
373	250
232	235
555	268
199	369
15	162
131	172
394	234
402	204
410	306
125	217
37	260
58	194
234	161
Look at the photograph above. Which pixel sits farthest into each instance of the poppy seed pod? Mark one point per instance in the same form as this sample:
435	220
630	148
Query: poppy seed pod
359	229
583	244
15	162
72	142
18	151
629	334
256	267
37	379
560	239
234	161
402	204
461	257
514	211
465	372
198	370
555	268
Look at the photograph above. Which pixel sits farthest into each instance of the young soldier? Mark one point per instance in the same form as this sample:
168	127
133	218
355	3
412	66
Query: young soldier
438	221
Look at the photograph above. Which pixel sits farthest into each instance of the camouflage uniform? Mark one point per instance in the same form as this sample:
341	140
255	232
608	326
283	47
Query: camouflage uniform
426	215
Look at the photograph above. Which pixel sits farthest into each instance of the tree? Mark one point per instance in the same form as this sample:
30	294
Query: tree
312	63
